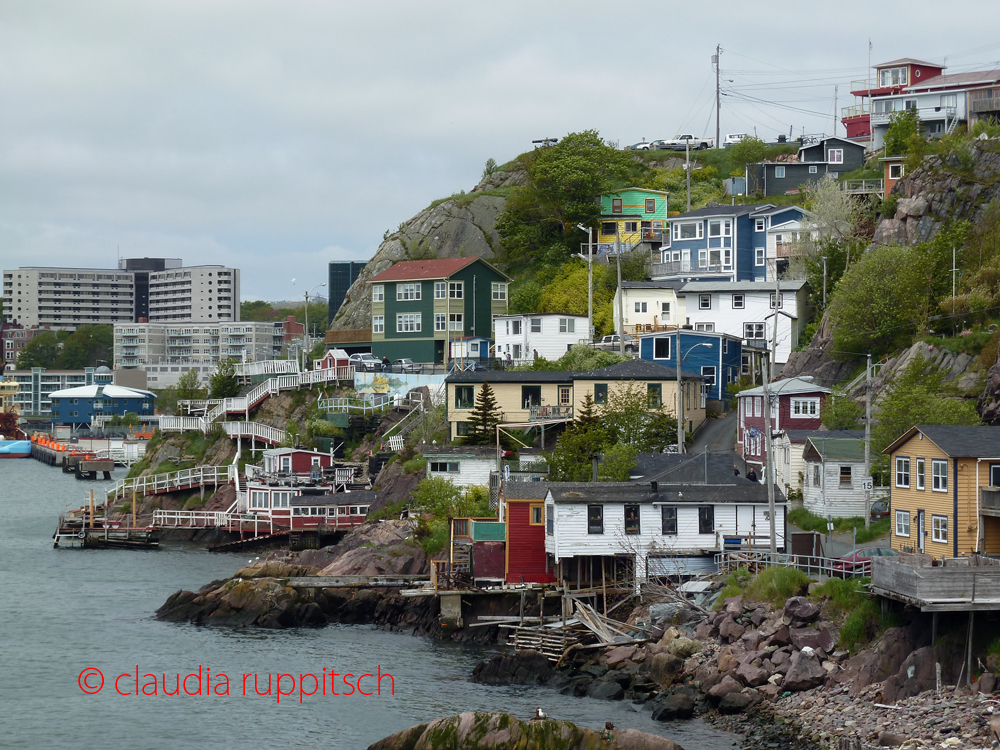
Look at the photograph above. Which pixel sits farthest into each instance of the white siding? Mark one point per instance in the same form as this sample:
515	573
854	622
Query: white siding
653	300
549	342
472	471
832	499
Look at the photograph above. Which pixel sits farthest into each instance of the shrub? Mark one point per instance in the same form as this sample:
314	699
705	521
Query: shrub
865	624
775	585
414	465
889	204
842	594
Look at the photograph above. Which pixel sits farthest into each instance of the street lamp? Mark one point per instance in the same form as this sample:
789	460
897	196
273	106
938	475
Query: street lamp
305	336
680	391
590	279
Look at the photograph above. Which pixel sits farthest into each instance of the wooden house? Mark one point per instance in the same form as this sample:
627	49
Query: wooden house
827	158
945	490
834	473
332	359
717	356
789	446
526	561
630	216
894	168
295	461
799	404
522	339
465	465
335	512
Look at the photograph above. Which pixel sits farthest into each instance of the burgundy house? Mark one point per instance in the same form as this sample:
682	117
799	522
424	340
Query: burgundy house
800	403
526	560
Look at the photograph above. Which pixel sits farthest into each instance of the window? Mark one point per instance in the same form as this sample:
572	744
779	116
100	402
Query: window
640	307
719	228
564	395
661	348
817	480
704	327
456	289
378	324
517	351
725	348
443	467
531	395
665	310
804	408
759	225
440	319
440	289
650	205
600	393
949	100
758	256
706	519
407	292
616	205
549	519
689	231
845	476
835	156
631	226
994	475
668	520
609	227
892	77
920	473
567	325
902	523
632	519
515	327
779	173
744	364
896	171
939	475
536	515
704	301
499	291
378	293
457	324
259	500
813	169
408	323
902	472
536	325
753	331
463	428
939	529
654	395
738	301
464	396
780	300
756	405
595	519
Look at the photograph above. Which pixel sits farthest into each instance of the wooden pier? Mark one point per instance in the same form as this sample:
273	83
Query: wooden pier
83	465
103	536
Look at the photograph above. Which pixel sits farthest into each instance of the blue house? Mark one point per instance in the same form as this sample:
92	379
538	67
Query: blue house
75	406
716	356
719	243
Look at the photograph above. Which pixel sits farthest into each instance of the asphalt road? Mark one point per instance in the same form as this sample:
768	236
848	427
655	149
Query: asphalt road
718	434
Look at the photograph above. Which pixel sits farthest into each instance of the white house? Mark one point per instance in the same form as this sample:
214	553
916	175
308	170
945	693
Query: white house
648	306
465	465
835	469
789	446
783	236
527	337
745	309
661	529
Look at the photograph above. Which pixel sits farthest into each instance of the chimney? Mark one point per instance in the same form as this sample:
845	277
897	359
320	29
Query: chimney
595	459
655	487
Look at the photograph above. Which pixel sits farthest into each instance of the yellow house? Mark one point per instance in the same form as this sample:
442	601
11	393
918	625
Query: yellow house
945	490
550	397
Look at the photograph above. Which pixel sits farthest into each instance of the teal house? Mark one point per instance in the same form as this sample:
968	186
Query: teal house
418	305
632	215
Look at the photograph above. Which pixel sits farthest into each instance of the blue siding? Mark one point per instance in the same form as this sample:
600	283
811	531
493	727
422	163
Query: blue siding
64	411
724	362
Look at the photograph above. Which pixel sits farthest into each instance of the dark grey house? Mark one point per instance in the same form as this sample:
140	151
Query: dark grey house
832	157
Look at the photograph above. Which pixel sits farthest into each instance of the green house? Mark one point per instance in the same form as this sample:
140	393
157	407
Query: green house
417	305
632	215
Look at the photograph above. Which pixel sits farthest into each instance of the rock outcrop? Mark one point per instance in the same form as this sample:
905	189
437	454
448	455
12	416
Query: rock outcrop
501	731
989	402
459	226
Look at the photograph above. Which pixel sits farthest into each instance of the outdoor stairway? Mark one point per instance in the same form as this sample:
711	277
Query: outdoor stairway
175	481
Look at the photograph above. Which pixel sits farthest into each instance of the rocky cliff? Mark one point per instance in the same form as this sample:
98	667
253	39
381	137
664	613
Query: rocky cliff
457	227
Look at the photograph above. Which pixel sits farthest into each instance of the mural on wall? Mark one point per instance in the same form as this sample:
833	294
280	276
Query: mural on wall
393	384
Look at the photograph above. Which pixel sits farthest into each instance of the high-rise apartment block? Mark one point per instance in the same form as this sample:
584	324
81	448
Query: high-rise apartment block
154	289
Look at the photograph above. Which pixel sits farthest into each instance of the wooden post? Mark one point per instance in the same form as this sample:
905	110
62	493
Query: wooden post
968	657
604	587
133	509
91	509
521	613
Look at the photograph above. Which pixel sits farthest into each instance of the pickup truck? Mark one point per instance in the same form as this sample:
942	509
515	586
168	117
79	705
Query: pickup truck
611	343
680	143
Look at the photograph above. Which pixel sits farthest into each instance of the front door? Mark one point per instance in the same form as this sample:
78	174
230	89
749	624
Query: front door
920	530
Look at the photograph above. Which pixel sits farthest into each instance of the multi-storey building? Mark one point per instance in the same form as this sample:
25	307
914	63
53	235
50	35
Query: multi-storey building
343	274
36	385
68	298
15	338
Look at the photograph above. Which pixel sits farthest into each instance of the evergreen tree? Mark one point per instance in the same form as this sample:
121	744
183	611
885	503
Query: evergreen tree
224	383
586	419
188	387
484	418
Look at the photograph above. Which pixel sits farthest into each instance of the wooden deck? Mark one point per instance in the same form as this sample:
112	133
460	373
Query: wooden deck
963	584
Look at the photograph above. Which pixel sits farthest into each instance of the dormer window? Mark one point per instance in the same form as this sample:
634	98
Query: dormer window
892	76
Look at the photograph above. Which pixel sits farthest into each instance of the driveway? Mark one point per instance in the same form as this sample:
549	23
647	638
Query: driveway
718	434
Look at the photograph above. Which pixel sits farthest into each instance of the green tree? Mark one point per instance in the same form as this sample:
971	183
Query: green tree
526	297
490	168
41	351
617	463
626	415
586	417
224	383
570	459
746	155
87	346
484	418
841	412
188	386
903	128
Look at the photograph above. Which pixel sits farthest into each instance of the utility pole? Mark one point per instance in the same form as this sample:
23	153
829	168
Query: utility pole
768	442
687	169
718	64
835	111
621	294
680	399
590	285
868	438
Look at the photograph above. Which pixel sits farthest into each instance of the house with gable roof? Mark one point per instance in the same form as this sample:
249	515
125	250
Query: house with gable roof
826	158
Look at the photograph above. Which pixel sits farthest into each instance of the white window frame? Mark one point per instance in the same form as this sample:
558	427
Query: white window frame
759	256
835	156
760	225
708	372
640	307
567	325
536	325
758	402
804	408
699	230
739	301
813	169
903	523
669	343
440	321
779	173
902	474
378	292
705	327
939	529
665	310
921	468
704	301
440	289
781	300
456	322
751	331
411	289
499	291
408	322
939	480
896	171
378	324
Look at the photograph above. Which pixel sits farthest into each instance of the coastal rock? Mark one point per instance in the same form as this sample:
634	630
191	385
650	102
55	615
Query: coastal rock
815	639
805	671
800	611
501	731
733	606
674	707
751	675
683	647
664	668
520	668
726	686
730	629
735	703
619	654
606	691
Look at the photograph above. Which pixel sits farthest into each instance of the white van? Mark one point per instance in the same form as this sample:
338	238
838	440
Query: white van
733	138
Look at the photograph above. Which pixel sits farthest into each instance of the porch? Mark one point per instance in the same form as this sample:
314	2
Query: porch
960	584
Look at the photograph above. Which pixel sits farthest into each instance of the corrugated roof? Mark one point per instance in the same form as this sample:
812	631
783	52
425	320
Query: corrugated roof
787	387
741	286
722	211
850	450
439	268
957	441
956	79
683	493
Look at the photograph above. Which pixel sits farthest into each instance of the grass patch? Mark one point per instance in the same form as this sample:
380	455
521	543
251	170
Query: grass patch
865	624
842	595
808	521
414	465
771	585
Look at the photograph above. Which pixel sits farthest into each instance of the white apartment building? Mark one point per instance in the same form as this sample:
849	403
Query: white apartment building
649	306
36	385
67	298
549	334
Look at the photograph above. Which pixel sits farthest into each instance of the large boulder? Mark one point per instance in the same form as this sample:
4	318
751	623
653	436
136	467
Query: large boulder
816	639
725	686
800	611
805	671
884	660
730	630
919	672
752	675
520	668
733	606
664	668
606	691
619	654
674	707
683	647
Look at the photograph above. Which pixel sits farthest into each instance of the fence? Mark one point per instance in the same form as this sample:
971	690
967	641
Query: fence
172	481
809	564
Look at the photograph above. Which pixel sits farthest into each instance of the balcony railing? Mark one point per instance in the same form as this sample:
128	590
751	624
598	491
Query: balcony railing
543	413
863	187
686	267
785	250
648	328
856	110
989	498
986	105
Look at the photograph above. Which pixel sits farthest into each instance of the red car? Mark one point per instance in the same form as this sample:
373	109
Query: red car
860	563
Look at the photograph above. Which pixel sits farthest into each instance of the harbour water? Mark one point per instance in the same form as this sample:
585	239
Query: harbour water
64	611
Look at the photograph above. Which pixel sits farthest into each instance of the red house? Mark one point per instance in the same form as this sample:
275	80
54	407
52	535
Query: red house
295	461
525	515
800	403
333	358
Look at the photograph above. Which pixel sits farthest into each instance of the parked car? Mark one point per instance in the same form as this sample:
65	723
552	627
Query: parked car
611	343
686	140
643	146
366	362
733	138
405	365
880	509
657	145
860	562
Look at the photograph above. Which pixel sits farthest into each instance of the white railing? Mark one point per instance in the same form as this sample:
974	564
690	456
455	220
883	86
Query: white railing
262	432
191	519
808	564
327	375
266	367
172	481
359	406
182	424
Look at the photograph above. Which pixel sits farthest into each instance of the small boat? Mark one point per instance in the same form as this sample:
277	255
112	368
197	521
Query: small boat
14	443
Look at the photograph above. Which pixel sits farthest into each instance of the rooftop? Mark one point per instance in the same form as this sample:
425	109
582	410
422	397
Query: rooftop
107	391
439	268
634	369
836	449
361	497
478	451
958	441
787	387
971	78
668	494
907	61
695	287
722	210
525	490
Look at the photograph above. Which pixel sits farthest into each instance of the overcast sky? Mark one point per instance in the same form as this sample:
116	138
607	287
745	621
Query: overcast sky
278	136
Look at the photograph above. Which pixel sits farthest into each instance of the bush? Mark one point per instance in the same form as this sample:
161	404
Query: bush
865	624
889	203
842	595
771	585
415	464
